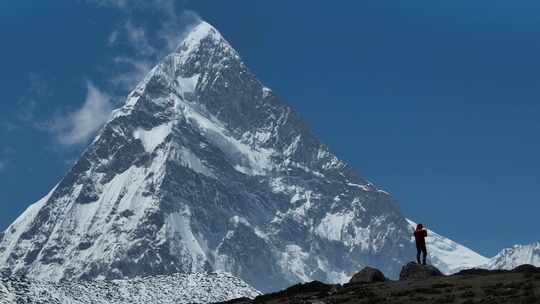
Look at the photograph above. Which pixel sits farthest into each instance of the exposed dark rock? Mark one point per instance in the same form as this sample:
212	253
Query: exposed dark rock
314	288
368	275
526	268
84	245
480	271
88	193
414	271
127	213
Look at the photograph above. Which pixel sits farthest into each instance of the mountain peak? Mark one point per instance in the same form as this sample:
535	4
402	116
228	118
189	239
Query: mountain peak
198	33
204	169
512	257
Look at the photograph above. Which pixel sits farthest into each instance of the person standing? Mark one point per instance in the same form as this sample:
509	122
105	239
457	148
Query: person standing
420	235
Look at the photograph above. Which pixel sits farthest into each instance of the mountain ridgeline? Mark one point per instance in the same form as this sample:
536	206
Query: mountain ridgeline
205	169
510	258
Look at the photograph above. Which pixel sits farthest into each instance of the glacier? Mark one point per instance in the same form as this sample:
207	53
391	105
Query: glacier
173	289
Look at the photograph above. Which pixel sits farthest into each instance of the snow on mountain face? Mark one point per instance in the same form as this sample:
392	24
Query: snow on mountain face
449	256
204	169
178	288
510	258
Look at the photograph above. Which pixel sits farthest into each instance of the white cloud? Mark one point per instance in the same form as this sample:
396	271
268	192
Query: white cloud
176	27
138	39
136	70
151	29
79	126
113	37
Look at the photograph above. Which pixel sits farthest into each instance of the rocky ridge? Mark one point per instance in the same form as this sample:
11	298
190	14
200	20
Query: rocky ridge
472	286
510	258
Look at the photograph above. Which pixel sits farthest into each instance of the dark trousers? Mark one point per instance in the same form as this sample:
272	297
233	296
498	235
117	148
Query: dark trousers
421	249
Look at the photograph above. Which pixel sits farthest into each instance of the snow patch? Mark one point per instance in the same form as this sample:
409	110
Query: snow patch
187	85
515	256
341	227
178	228
236	220
294	260
334	277
190	160
245	159
153	137
333	225
266	92
363	187
21	223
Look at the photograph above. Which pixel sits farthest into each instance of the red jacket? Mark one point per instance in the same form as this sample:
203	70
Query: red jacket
420	236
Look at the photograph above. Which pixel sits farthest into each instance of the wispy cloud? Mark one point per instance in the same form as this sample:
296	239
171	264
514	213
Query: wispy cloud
68	127
149	30
113	37
135	69
138	38
148	39
38	89
80	125
27	106
175	28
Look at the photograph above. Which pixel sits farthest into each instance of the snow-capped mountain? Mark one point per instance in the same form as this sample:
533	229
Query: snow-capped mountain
177	289
449	256
205	169
510	258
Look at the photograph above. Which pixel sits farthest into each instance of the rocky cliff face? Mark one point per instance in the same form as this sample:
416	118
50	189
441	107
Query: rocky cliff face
205	169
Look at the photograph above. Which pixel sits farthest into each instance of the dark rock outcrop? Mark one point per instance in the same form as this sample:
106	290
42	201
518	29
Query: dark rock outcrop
368	275
414	271
312	289
480	272
527	268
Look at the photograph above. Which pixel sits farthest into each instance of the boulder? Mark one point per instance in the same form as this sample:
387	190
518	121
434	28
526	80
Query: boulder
526	268
368	275
414	271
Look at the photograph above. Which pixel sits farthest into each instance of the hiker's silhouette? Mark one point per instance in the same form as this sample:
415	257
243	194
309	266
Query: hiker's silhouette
420	235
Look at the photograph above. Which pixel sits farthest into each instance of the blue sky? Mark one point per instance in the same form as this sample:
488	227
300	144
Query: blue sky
436	102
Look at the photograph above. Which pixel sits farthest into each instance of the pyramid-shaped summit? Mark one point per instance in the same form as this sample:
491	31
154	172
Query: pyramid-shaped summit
205	169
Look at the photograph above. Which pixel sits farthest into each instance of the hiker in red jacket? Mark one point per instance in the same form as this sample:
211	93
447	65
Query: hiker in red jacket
420	235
